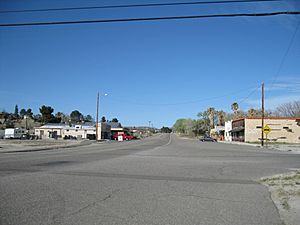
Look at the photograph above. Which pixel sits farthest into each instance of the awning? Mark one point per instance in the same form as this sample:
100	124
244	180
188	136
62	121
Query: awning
237	129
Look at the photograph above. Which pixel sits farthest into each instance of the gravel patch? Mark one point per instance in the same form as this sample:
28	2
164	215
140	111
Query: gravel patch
285	192
38	145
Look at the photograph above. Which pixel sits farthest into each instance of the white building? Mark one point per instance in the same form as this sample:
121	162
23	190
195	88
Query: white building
80	132
77	131
228	128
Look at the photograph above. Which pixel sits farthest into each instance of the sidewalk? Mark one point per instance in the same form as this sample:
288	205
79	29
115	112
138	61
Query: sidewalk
10	146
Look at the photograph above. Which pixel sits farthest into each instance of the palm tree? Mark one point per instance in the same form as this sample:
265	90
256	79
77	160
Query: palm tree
211	115
221	117
235	107
252	112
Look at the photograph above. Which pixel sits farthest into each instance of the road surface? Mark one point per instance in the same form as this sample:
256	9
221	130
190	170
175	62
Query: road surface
158	180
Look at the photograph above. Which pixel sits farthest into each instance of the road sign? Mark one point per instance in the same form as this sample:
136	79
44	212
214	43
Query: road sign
266	129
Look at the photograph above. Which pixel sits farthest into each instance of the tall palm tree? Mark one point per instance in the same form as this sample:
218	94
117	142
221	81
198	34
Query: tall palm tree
211	115
235	107
221	117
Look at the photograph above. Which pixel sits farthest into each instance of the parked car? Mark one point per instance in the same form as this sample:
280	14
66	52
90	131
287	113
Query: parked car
209	139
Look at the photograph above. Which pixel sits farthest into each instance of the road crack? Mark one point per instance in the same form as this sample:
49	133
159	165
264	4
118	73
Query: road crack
92	204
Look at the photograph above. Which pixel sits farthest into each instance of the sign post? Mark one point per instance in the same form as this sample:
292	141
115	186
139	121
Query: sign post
266	130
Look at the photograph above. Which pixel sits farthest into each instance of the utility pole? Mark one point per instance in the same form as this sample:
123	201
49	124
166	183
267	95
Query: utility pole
97	117
262	113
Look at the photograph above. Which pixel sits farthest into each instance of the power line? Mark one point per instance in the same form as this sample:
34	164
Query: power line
181	103
136	5
151	19
285	55
251	93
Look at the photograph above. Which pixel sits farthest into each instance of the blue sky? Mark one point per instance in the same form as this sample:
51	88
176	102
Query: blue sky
155	71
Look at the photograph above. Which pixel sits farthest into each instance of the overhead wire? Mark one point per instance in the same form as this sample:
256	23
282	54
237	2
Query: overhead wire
285	55
248	96
136	5
152	19
181	103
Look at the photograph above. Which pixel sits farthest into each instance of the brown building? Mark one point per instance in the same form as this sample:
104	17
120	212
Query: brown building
282	129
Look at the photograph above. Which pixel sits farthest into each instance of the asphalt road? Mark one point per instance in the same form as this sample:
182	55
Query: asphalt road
159	180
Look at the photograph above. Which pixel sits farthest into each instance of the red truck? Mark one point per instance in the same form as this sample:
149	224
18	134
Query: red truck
125	137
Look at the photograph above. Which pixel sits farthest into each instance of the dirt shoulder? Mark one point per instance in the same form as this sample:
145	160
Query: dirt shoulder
285	192
7	146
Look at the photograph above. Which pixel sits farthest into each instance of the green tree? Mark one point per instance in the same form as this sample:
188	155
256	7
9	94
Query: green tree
16	113
165	130
103	119
115	120
60	116
199	127
76	116
46	112
88	118
29	112
190	127
37	118
180	126
22	112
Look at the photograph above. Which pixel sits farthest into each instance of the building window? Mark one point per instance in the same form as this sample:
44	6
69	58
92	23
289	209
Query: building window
285	127
76	130
258	127
67	130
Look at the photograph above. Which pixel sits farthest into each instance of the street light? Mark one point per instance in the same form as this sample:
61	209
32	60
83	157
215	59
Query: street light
25	117
97	115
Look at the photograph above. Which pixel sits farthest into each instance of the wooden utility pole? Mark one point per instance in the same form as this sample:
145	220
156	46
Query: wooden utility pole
262	113
97	117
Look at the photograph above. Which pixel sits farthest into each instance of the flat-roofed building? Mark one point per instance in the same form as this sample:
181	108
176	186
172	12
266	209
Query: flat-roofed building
282	129
50	130
79	131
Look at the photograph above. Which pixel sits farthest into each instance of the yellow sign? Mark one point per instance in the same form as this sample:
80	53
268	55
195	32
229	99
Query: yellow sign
266	129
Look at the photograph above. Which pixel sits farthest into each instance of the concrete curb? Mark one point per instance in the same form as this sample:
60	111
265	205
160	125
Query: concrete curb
239	143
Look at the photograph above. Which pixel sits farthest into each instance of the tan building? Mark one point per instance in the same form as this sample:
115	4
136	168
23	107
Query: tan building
281	129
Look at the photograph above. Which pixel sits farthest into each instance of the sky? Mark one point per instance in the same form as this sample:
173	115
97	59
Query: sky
156	71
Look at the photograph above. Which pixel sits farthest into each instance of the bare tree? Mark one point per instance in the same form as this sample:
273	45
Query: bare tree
290	109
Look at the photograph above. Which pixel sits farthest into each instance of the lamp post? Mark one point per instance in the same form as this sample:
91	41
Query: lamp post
262	113
97	116
25	117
